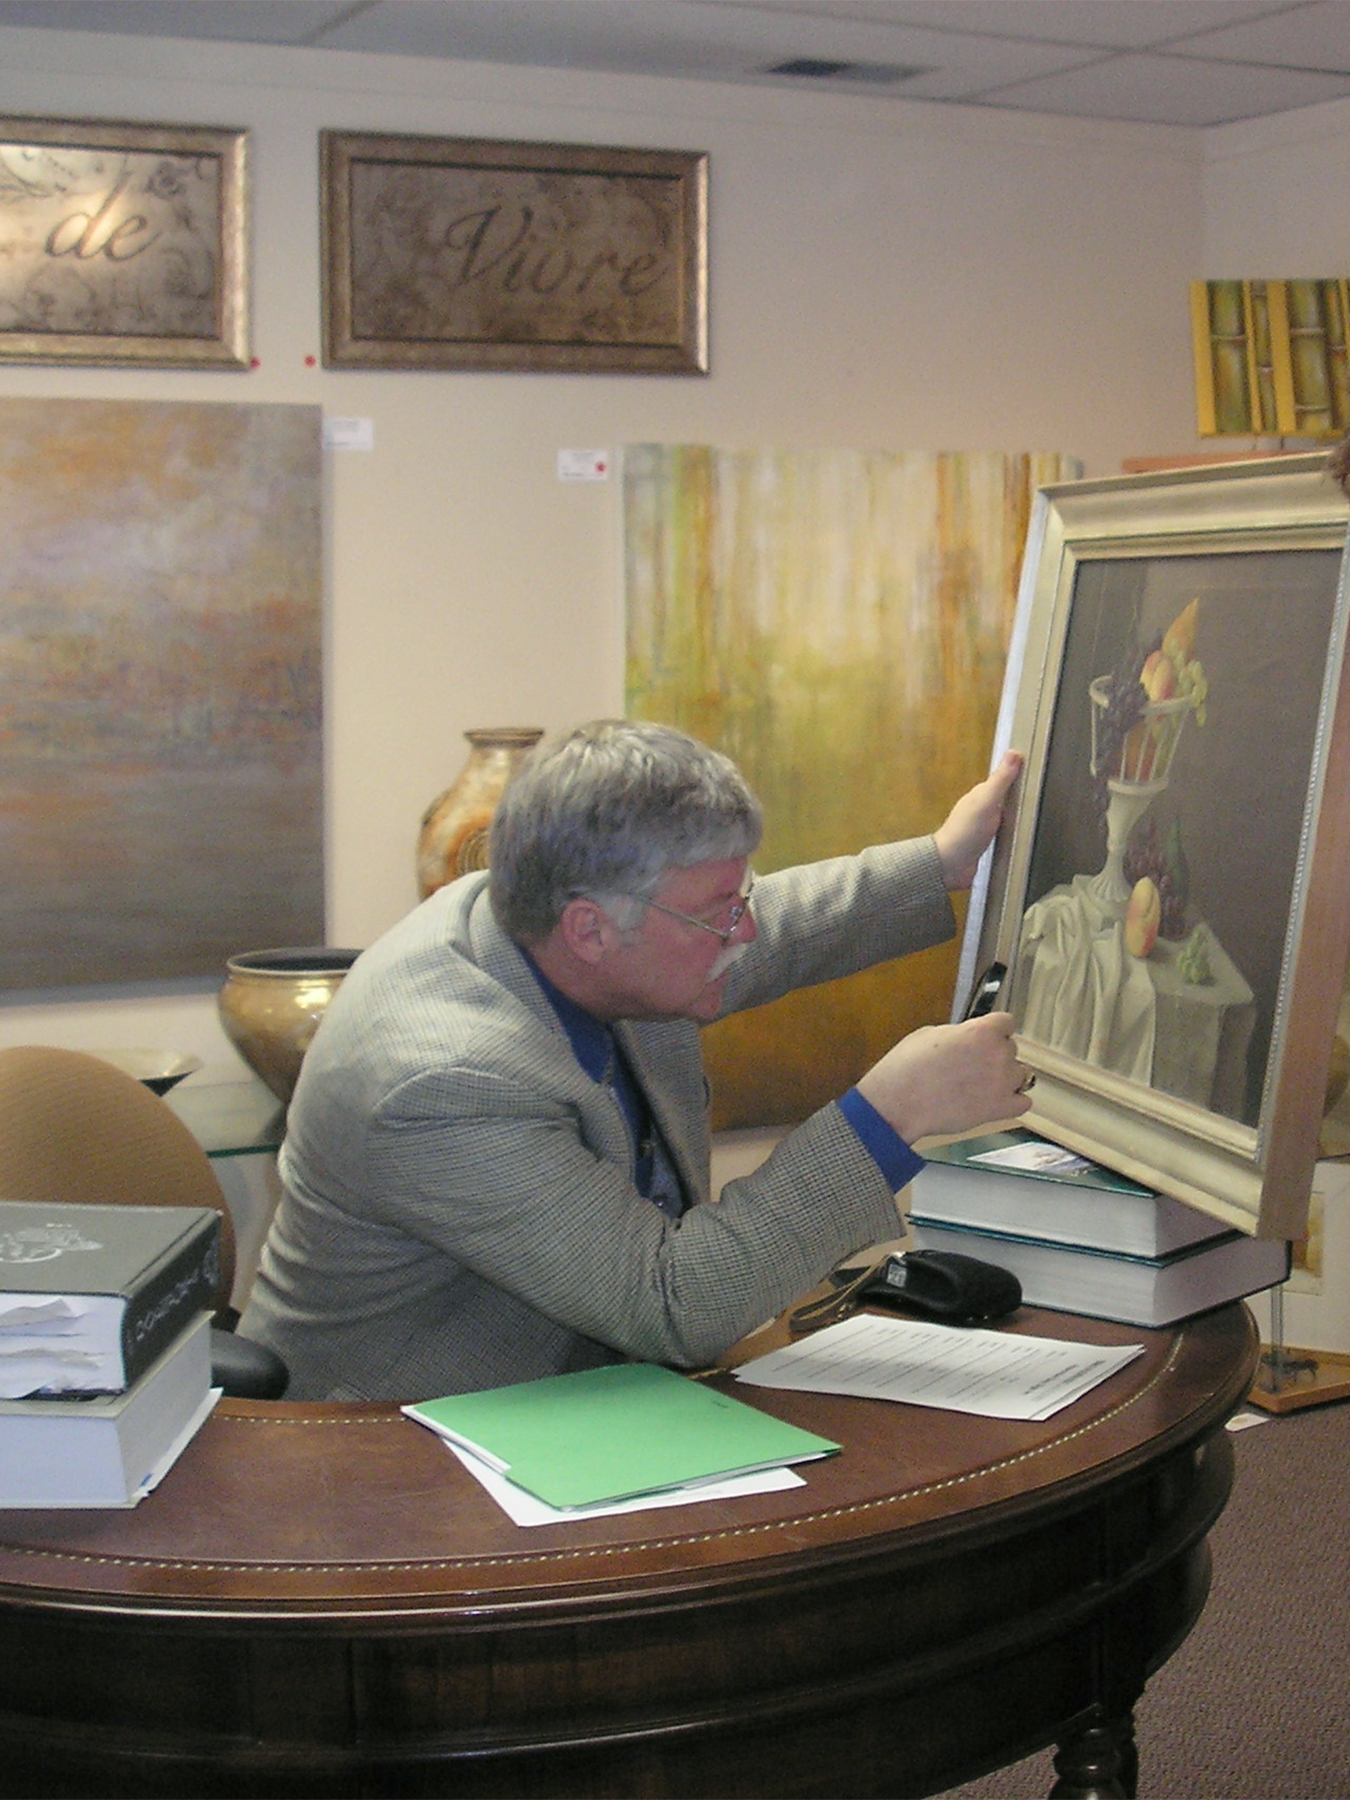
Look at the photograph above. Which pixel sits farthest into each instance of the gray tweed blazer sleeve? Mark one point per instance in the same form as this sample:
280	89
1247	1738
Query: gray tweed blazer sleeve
459	1207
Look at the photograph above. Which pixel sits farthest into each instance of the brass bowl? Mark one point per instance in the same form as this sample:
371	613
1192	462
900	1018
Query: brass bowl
271	1003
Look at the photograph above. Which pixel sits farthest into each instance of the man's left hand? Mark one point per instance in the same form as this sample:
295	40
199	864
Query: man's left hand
970	827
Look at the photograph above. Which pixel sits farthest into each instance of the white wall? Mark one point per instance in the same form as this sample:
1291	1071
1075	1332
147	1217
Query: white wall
882	274
1274	195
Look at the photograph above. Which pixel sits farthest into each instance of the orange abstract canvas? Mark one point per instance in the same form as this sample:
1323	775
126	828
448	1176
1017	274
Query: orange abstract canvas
161	796
837	622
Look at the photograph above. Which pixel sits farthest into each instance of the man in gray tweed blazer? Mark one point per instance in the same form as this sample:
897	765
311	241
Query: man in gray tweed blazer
497	1158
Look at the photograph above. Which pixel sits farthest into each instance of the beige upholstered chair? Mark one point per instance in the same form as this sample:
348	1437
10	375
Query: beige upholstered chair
75	1129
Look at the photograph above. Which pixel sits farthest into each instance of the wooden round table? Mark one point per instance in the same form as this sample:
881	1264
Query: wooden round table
318	1600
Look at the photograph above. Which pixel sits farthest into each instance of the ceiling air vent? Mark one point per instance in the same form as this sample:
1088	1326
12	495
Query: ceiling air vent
819	68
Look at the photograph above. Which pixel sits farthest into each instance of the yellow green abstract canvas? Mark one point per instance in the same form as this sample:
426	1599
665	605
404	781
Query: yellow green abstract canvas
837	622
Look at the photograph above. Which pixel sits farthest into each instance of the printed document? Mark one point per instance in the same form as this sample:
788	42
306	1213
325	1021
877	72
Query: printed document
993	1373
524	1509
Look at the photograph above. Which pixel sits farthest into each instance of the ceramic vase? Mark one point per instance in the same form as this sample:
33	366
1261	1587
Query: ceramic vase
454	835
270	1006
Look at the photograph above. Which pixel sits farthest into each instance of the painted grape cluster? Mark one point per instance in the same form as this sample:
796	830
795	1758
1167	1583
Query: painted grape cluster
1159	857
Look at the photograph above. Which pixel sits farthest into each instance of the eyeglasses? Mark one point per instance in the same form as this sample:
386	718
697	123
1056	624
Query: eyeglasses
735	913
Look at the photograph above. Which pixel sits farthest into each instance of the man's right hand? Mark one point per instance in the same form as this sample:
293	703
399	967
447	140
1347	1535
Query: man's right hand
947	1079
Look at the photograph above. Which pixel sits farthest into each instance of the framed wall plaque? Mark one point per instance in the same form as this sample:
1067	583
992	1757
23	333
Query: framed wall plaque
123	243
465	253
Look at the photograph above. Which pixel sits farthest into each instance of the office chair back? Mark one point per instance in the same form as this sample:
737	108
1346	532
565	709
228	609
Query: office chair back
74	1129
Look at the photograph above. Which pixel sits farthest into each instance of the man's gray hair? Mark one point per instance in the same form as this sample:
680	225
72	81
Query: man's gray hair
605	810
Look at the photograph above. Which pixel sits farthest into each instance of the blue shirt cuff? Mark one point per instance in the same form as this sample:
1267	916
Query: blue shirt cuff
888	1150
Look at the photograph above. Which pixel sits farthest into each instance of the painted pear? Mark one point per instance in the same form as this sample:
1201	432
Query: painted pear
1142	917
1179	638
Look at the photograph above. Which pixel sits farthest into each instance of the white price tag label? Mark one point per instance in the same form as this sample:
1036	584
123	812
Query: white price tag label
583	465
349	434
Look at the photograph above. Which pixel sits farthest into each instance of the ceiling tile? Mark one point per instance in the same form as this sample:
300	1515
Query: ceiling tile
1110	24
1225	59
1170	90
1309	37
237	21
689	38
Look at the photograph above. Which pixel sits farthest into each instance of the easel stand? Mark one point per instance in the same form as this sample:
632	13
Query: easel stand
1289	1379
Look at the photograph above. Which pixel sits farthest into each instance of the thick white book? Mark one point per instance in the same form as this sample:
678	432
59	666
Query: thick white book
107	1449
1132	1290
1013	1182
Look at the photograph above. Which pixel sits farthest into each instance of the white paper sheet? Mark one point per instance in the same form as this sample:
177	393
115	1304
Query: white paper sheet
1050	1159
34	1374
992	1373
28	1313
524	1509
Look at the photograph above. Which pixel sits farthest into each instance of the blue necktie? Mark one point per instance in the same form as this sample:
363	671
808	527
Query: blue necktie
655	1173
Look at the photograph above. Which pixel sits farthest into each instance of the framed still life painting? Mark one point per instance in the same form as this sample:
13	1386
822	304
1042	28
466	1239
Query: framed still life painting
1170	893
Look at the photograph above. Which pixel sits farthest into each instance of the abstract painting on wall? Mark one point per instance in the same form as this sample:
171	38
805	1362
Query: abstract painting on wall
161	780
837	622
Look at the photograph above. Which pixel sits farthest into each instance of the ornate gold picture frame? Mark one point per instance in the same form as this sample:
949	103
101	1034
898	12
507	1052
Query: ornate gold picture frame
1169	893
466	253
123	243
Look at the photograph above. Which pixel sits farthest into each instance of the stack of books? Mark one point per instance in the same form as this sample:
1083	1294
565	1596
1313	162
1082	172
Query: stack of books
1081	1238
105	1348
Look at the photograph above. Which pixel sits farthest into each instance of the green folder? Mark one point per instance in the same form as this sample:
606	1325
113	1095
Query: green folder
615	1432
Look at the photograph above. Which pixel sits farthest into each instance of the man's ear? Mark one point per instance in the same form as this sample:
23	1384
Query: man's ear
587	930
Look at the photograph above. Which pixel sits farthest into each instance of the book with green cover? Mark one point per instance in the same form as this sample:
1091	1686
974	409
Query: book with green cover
1015	1182
1104	1284
615	1432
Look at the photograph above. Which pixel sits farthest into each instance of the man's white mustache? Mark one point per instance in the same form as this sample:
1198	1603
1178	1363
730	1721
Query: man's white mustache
729	954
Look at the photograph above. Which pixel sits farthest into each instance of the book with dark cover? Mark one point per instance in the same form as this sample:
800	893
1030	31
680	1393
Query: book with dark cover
1014	1182
1132	1290
91	1295
108	1449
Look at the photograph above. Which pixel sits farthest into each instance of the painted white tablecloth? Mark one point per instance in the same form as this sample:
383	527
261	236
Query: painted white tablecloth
1084	993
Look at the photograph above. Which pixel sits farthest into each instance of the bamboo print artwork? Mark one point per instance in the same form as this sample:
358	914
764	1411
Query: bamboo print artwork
837	622
1271	357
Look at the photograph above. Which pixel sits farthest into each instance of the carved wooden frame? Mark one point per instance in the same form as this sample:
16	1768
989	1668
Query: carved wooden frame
467	253
76	198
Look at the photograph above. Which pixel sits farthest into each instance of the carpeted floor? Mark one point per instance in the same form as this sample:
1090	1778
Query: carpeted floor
1255	1705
